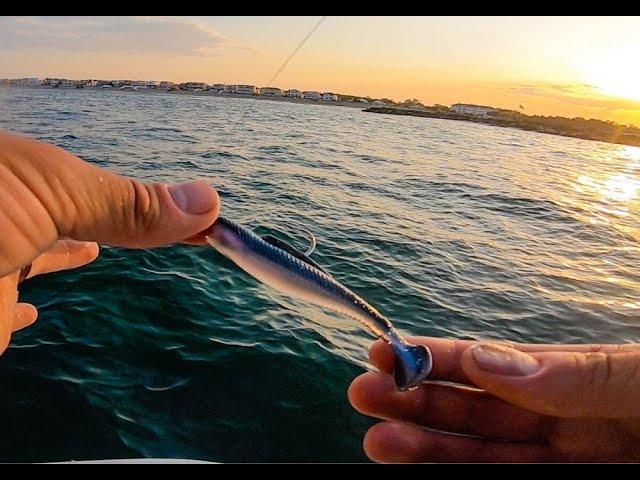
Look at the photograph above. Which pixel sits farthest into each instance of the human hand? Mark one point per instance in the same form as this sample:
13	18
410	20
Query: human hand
521	403
64	255
47	194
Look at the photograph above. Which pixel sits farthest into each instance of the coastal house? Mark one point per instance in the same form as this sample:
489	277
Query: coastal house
64	83
246	90
312	95
271	92
217	87
140	85
164	85
193	86
473	110
293	93
330	97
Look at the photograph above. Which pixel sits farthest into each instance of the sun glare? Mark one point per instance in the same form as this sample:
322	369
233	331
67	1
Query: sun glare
615	72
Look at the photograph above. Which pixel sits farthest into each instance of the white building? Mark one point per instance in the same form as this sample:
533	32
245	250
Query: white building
271	92
293	93
217	87
473	110
246	89
329	97
312	95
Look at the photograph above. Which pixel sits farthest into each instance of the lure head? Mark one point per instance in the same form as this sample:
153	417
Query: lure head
224	236
413	364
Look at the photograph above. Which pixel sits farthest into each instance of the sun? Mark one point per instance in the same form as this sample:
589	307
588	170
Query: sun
614	72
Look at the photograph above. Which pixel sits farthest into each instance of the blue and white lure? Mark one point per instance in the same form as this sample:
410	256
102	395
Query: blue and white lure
282	267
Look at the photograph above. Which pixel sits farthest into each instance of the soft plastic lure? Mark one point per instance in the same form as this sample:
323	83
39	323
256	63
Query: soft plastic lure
282	267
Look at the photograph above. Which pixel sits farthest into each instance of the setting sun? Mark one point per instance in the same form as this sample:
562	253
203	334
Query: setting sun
615	72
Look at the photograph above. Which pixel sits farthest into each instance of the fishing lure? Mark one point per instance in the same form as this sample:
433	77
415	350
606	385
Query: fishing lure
282	267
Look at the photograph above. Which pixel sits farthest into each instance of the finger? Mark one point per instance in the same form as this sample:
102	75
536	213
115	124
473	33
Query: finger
197	239
562	384
8	300
25	314
64	255
449	408
402	443
447	354
52	193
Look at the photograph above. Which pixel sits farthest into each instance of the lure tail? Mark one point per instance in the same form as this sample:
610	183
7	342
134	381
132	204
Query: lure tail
413	364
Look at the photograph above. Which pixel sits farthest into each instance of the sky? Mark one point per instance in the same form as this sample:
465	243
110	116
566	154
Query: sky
570	66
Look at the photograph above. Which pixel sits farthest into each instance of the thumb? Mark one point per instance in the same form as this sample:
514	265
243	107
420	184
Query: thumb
47	193
561	384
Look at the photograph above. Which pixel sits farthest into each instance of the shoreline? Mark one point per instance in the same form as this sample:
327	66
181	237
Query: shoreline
205	93
633	141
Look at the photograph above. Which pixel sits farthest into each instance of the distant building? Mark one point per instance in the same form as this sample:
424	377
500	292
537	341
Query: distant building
103	83
329	97
473	110
67	83
246	89
293	93
312	95
217	87
193	86
165	85
140	85
271	92
363	100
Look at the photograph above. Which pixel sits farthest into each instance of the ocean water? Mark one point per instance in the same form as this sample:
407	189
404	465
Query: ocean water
451	229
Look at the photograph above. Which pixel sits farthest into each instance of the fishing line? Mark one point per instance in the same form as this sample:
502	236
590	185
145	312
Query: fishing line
288	59
273	78
300	45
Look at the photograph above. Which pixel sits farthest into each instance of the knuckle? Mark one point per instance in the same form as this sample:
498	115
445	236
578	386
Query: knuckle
142	208
596	367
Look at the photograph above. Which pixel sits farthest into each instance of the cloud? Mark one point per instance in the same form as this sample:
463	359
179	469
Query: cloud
126	35
581	94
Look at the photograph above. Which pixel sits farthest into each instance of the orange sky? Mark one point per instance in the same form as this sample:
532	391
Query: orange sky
571	66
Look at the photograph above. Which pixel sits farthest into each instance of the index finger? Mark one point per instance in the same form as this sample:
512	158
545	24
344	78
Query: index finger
447	354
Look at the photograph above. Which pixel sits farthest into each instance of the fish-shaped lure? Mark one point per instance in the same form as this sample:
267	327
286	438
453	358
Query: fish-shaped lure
277	264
